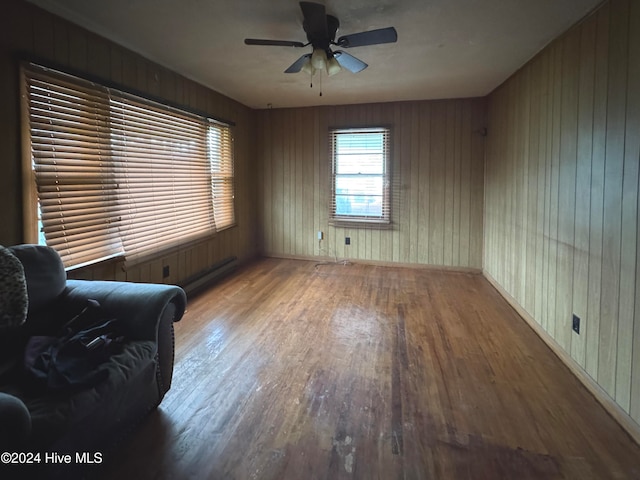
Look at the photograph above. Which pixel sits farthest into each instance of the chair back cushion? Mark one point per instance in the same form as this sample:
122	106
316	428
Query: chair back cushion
44	273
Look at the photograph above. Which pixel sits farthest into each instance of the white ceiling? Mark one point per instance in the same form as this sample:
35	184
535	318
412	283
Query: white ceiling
445	48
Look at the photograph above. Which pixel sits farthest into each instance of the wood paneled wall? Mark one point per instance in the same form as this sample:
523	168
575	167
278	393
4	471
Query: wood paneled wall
561	204
29	32
437	188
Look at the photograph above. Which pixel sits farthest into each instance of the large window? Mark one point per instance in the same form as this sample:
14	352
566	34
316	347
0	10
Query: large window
119	175
360	176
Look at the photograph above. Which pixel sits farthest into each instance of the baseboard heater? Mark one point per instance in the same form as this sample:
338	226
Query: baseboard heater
217	271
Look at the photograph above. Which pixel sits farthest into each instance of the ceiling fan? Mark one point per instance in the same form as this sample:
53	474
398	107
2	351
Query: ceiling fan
321	32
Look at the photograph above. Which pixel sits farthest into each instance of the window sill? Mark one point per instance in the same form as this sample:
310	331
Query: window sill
228	227
116	257
356	223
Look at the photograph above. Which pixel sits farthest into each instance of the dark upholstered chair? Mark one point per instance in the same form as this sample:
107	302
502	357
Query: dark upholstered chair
139	374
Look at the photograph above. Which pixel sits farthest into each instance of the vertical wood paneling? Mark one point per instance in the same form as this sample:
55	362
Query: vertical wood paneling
547	125
31	31
614	158
438	155
583	187
437	174
399	159
314	150
527	274
17	33
518	201
539	145
449	181
266	177
457	193
466	132
629	219
414	185
567	125
555	117
476	187
424	193
78	50
307	173
567	187
277	186
43	37
597	189
633	152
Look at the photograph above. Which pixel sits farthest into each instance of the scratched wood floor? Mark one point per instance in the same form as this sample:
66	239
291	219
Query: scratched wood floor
288	370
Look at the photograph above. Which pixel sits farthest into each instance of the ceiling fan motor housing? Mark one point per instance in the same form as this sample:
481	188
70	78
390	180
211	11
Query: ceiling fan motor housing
322	38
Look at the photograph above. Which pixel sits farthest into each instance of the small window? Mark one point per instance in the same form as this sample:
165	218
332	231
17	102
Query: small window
360	177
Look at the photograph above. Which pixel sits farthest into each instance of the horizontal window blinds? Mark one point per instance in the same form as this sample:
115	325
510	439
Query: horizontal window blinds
162	168
117	174
222	174
360	175
77	188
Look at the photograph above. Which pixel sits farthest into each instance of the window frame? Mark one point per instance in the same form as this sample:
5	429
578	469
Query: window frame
114	165
384	220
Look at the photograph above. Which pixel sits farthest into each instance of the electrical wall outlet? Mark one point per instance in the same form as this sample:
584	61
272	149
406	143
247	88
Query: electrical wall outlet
347	240
576	324
165	271
320	235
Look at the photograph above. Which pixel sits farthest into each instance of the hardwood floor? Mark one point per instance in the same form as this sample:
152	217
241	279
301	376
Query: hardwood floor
288	370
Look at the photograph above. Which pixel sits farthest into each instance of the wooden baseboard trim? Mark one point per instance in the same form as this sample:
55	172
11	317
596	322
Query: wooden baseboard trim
622	417
377	263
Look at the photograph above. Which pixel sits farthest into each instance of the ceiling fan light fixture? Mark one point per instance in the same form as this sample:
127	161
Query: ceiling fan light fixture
333	66
319	59
308	68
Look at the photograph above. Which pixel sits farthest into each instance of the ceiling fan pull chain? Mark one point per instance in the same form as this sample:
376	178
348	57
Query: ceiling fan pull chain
320	80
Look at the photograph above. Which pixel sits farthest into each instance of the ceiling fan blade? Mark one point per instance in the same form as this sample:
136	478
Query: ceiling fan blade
372	37
274	43
297	65
315	20
349	62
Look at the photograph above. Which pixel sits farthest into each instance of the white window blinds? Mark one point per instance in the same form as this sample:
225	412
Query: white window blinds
360	176
222	175
117	174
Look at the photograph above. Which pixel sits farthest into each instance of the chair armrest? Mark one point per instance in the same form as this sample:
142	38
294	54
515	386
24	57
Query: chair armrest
138	306
15	422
